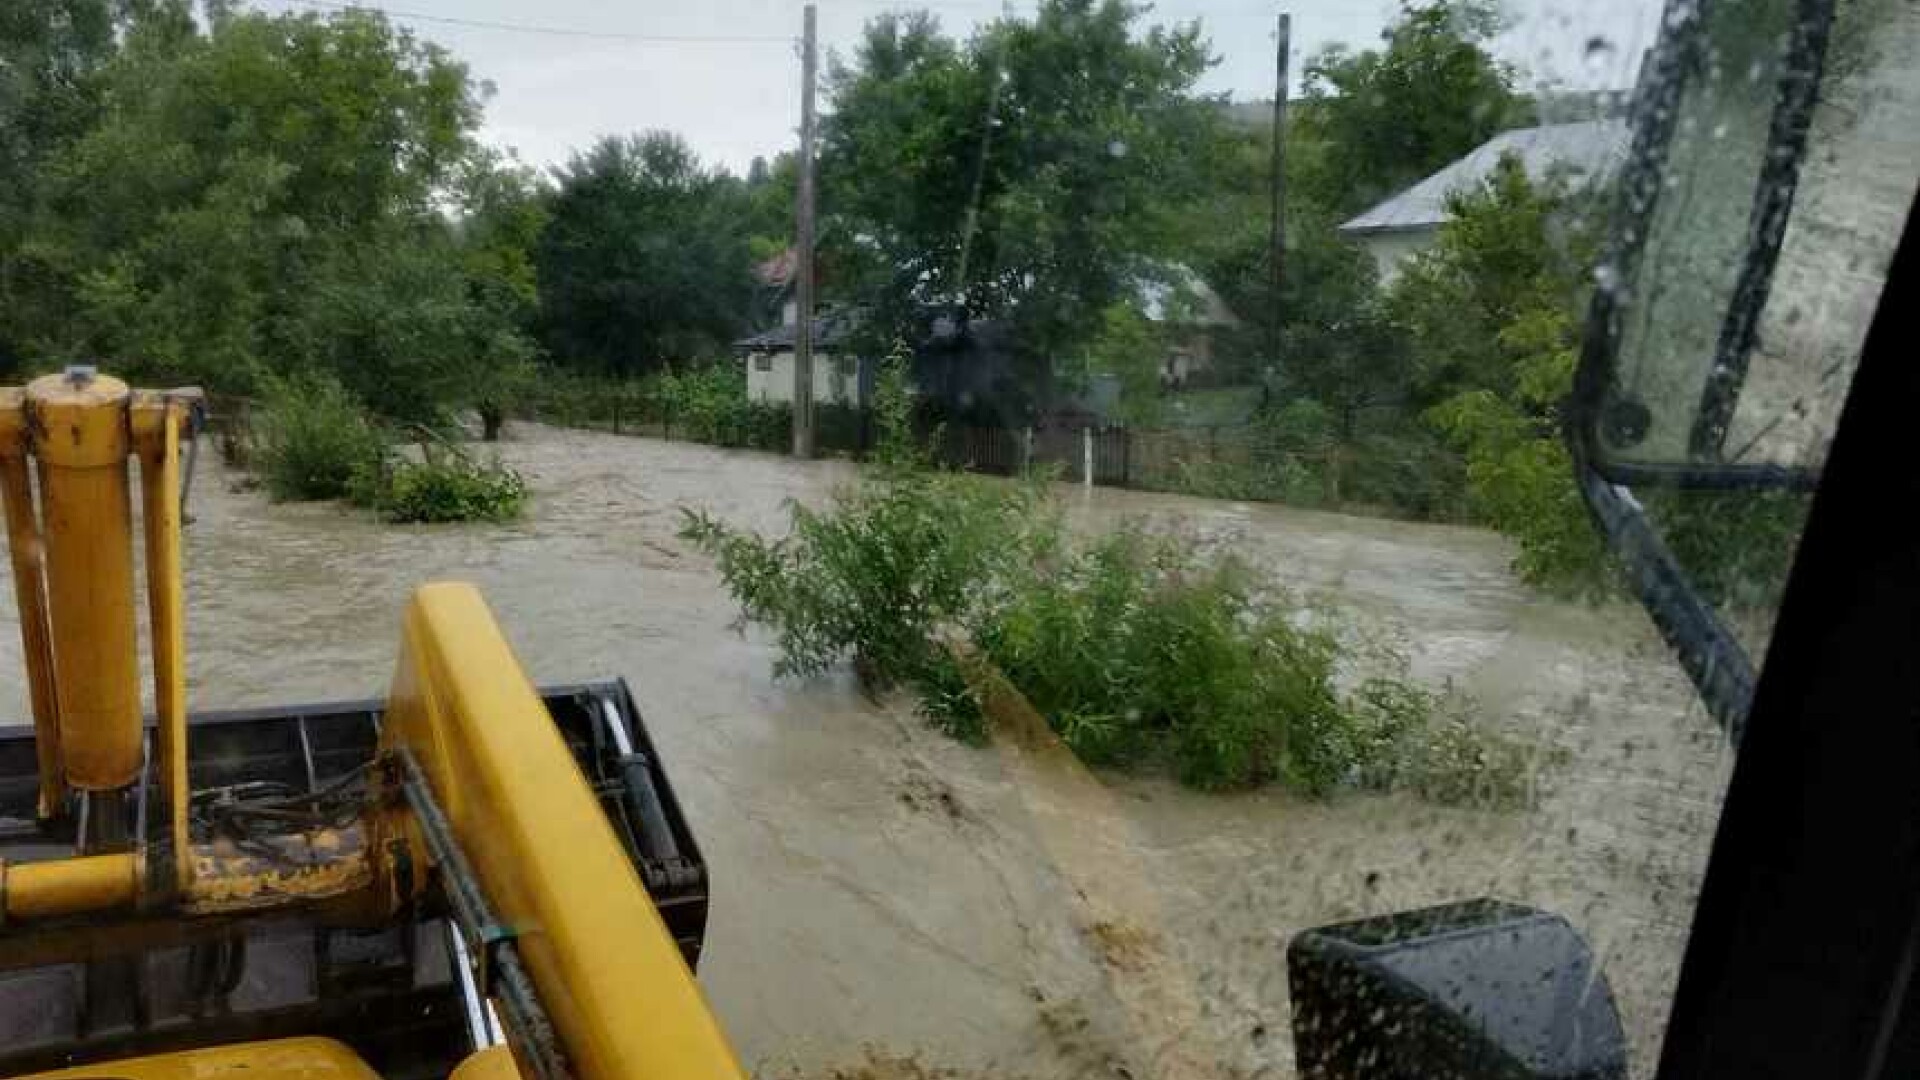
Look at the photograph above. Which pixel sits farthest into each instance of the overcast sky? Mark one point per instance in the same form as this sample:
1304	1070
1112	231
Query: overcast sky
728	79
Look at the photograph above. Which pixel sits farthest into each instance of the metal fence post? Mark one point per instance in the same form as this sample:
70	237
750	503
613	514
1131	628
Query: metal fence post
1086	456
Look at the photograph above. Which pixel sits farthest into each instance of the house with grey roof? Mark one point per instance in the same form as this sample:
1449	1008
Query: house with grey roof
1589	151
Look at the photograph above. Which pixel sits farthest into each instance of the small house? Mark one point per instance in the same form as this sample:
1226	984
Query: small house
839	377
1587	151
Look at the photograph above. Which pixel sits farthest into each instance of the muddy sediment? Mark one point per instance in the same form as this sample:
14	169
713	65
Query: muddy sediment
890	904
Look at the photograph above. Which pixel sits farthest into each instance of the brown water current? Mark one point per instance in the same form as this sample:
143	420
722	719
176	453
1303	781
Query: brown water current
888	903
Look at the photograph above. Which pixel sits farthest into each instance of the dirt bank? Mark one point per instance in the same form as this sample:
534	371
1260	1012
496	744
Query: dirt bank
890	904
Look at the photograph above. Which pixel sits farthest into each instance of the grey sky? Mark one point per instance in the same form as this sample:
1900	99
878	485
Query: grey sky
735	99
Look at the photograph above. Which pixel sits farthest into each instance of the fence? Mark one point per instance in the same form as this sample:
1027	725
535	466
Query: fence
1122	457
1399	477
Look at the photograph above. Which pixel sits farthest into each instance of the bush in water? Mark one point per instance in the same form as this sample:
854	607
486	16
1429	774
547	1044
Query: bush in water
312	438
445	486
1133	649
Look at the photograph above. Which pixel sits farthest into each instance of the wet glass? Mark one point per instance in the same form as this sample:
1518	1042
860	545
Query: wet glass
1762	208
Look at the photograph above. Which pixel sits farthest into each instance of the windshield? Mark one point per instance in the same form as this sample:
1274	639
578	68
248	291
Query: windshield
1023	516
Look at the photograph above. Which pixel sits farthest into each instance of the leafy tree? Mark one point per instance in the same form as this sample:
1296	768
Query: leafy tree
1385	118
769	191
1491	312
645	259
1512	247
51	55
260	194
1030	174
503	213
1131	347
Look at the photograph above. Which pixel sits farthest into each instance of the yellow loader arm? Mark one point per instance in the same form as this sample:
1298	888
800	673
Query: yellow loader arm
472	798
463	717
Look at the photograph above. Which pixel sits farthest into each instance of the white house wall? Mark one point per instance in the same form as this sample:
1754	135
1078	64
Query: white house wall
1390	249
770	379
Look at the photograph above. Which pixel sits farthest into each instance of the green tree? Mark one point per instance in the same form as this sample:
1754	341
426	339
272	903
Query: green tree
260	194
1032	174
1511	247
1491	313
504	211
52	53
646	259
1385	118
768	191
1130	347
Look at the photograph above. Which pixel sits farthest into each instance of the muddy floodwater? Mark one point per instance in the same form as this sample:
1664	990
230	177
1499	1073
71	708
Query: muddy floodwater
889	903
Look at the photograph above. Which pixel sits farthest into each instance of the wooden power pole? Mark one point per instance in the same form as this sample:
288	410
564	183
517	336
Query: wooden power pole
803	266
1279	239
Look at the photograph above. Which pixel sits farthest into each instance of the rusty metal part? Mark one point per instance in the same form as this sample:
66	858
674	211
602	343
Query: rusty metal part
296	867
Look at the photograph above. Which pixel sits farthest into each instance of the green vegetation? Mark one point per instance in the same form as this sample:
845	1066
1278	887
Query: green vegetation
1134	650
646	259
709	404
444	486
298	208
1034	170
876	576
224	199
311	441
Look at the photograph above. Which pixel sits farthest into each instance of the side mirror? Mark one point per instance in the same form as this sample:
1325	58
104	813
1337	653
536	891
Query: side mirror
1772	161
1480	990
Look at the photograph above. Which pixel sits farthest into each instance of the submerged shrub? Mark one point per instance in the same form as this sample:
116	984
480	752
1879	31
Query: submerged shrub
312	438
1134	650
874	576
445	486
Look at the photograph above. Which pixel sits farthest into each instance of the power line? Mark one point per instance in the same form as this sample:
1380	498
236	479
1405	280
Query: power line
895	6
551	31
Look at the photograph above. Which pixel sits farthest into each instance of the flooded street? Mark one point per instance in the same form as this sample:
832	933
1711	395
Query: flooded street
890	903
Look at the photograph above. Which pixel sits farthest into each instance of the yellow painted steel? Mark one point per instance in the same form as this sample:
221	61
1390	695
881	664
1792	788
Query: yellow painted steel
80	439
280	1059
156	422
30	597
607	971
87	883
493	1063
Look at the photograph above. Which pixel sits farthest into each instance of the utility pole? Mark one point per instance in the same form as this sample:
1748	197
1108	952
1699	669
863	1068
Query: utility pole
1279	240
803	267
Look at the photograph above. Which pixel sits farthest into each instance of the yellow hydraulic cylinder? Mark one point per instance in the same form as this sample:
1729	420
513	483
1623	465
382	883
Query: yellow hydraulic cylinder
70	886
30	595
80	438
157	422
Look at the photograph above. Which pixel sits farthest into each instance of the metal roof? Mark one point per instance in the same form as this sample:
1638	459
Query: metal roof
1587	150
829	331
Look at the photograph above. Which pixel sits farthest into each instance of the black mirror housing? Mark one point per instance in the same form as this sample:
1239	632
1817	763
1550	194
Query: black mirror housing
1479	990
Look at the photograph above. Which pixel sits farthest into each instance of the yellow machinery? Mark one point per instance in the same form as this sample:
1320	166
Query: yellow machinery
157	884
